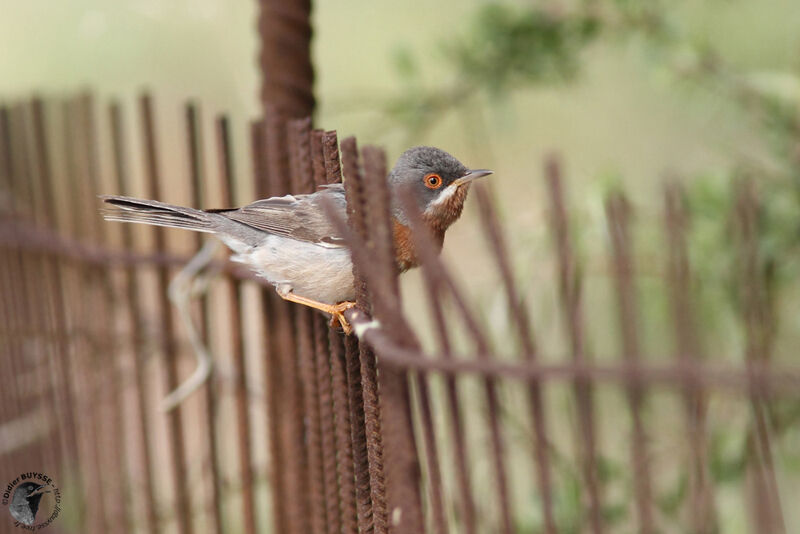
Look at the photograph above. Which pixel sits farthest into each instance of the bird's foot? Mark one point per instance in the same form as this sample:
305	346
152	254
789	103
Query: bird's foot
336	310
338	315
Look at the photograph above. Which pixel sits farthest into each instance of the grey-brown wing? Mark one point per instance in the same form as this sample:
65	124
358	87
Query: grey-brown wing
299	217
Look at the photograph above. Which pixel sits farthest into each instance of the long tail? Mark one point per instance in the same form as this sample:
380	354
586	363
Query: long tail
136	210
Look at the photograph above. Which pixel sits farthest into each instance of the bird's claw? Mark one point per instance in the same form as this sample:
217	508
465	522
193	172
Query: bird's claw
337	315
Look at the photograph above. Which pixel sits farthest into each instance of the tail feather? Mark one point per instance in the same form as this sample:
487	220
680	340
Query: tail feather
127	209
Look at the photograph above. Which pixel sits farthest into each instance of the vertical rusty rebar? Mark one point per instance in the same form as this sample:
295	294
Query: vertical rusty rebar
37	309
758	322
26	400
287	83
137	333
53	282
81	319
570	296
196	178
299	147
110	441
362	373
701	500
345	461
372	474
227	178
8	345
50	313
272	380
169	352
323	359
282	330
327	436
618	218
401	461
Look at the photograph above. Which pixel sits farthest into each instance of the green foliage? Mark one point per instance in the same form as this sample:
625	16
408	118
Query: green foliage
671	501
503	48
728	457
508	46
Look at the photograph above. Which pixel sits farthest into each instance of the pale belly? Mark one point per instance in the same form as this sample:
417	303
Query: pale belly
312	271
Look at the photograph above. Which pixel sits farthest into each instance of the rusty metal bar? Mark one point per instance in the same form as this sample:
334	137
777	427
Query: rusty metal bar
345	461
16	403
570	295
109	404
136	315
372	475
495	239
272	381
45	302
282	328
163	312
434	472
77	292
462	466
428	254
60	362
323	355
196	179
402	468
701	499
287	75
17	274
758	321
8	341
227	179
299	147
618	218
327	436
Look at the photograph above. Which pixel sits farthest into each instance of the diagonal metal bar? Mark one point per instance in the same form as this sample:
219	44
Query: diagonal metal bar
618	218
496	240
570	295
428	254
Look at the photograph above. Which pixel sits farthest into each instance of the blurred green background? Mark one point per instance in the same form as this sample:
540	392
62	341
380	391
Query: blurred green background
629	93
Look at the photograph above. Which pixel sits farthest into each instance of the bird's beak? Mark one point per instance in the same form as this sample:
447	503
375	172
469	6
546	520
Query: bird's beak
472	175
44	488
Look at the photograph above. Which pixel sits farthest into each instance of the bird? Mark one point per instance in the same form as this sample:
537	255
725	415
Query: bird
25	501
290	241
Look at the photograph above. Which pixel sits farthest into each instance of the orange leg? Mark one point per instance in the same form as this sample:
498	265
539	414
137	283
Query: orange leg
336	310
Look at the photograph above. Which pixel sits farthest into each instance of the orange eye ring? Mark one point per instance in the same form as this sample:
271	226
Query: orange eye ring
433	181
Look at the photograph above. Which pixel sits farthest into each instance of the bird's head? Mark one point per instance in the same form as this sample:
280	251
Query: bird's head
438	181
25	501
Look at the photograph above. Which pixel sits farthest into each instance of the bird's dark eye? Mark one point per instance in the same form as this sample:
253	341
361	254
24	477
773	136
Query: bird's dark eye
433	181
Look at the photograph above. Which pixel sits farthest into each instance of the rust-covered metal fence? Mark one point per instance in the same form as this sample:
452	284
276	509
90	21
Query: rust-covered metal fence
300	429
